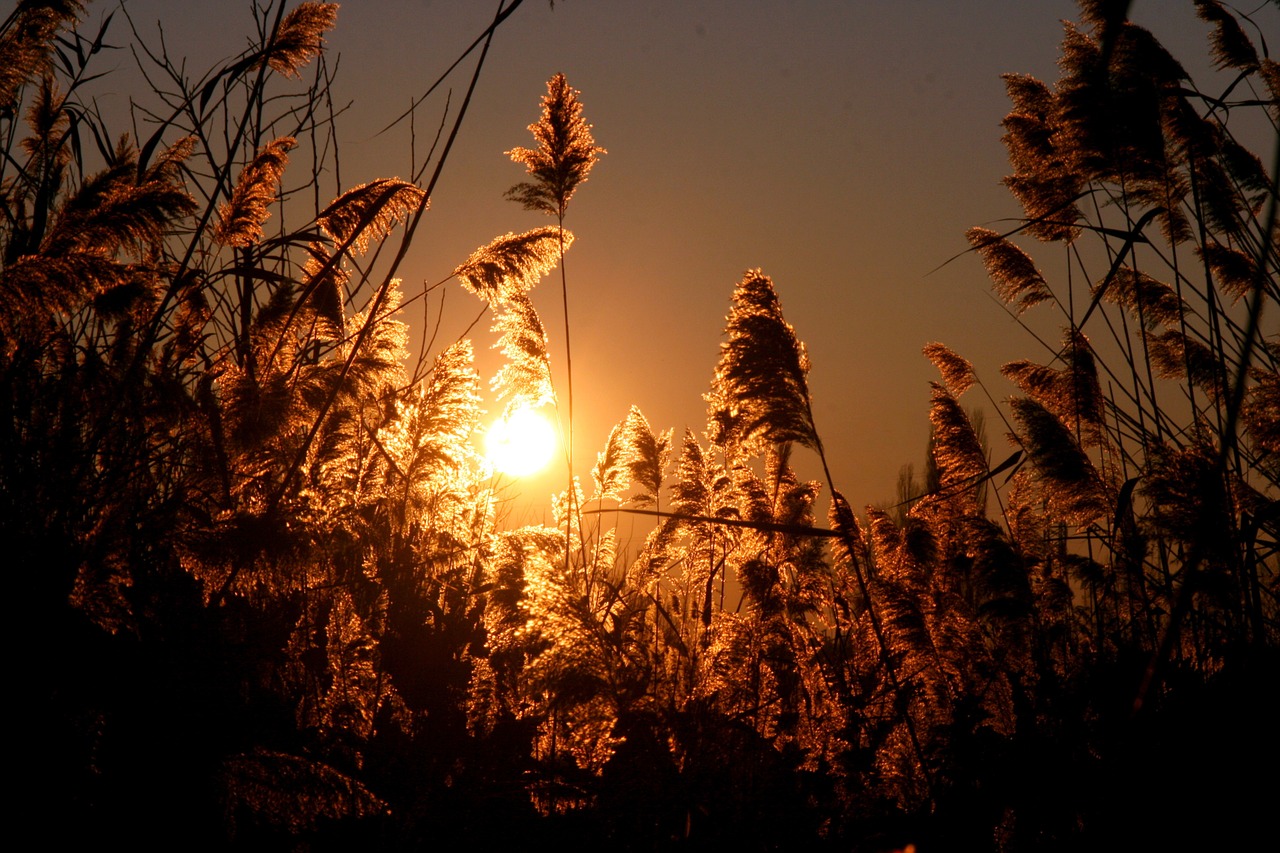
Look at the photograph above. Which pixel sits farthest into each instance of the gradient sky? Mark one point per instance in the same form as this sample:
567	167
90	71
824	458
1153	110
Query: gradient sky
843	147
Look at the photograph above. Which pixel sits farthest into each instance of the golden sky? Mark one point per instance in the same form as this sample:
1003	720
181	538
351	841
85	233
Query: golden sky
843	147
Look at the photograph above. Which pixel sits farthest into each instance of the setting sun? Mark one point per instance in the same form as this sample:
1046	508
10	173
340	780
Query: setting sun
521	443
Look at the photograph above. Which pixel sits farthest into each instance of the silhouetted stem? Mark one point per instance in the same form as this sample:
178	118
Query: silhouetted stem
572	509
1182	603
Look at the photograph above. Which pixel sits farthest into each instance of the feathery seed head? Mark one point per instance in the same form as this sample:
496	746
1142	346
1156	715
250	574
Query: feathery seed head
646	456
1176	355
513	263
957	371
300	37
565	154
760	390
1070	481
1072	393
1231	47
1013	273
956	447
240	220
609	474
526	377
369	211
1145	297
325	281
28	41
1235	271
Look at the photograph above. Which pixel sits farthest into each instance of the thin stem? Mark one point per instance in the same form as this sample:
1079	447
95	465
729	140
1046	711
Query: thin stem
568	366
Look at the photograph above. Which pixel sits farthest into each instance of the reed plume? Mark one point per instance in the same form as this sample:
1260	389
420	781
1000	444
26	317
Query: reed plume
1177	355
1148	299
633	454
114	213
1070	481
104	235
1045	180
325	280
565	154
564	157
1261	415
646	457
1013	274
1072	393
300	37
513	263
525	379
957	371
240	220
1269	71
429	438
367	212
761	390
956	449
1231	48
610	474
1234	270
27	41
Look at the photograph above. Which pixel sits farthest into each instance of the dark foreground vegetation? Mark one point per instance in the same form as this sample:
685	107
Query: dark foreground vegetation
259	598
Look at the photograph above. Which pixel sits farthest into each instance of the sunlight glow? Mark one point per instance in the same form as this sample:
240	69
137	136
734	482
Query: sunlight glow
521	443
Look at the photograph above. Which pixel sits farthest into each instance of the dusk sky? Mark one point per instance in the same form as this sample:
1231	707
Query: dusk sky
842	147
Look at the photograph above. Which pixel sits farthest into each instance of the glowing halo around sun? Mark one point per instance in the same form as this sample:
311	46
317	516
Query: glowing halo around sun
520	444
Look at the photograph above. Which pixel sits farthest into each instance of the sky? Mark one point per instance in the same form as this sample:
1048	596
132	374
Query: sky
842	147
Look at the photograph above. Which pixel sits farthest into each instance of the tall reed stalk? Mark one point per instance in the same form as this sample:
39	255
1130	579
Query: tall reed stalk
564	157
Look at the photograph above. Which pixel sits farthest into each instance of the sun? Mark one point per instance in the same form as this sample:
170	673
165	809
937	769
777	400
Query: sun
521	443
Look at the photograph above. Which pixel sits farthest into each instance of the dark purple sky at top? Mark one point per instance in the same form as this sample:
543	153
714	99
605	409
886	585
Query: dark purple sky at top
843	147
